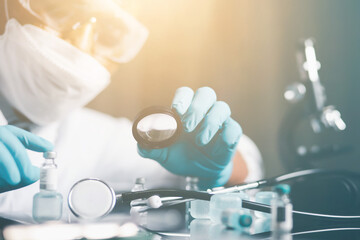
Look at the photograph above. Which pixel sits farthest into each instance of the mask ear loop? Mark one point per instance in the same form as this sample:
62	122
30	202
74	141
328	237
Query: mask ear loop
6	10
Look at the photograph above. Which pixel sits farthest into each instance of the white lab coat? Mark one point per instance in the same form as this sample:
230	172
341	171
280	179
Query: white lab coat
92	144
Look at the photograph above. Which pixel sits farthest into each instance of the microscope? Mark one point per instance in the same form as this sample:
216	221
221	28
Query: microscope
309	110
311	136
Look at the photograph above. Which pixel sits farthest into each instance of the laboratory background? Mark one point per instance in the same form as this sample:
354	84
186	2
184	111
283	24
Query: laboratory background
247	51
289	70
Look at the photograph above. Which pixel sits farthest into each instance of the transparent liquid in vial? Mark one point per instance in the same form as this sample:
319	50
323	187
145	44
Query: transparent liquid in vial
47	206
48	203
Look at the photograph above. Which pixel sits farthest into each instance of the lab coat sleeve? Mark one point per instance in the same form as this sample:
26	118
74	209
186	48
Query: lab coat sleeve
252	158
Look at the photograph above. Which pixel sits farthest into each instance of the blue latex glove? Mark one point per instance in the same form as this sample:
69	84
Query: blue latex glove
16	170
207	145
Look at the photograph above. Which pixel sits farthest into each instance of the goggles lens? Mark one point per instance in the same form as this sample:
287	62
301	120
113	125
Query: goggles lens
99	27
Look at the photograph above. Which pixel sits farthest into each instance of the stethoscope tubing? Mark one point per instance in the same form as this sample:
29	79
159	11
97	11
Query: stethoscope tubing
186	195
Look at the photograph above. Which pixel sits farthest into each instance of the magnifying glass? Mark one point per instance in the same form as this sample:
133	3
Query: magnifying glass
157	127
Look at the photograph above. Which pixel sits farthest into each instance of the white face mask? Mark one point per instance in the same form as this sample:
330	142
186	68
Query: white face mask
44	77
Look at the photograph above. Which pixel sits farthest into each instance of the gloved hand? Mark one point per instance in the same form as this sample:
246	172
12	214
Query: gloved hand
16	170
207	145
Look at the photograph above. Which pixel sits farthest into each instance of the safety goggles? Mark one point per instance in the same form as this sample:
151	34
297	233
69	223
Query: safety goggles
98	27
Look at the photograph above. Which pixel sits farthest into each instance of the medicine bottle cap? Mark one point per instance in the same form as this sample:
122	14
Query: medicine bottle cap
49	155
140	180
245	220
282	189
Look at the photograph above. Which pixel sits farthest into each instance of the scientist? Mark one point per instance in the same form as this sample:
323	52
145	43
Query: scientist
56	56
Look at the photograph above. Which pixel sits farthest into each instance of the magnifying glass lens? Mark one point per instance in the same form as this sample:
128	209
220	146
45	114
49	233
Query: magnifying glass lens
157	127
91	199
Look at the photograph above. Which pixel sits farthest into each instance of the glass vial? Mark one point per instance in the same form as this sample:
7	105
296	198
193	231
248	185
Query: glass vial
221	202
139	185
136	212
236	219
196	208
47	204
264	197
281	212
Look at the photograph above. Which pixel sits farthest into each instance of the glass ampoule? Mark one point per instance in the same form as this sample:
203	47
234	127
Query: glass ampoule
47	204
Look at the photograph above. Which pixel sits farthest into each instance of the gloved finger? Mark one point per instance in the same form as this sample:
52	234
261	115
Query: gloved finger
4	186
182	100
9	171
18	152
203	100
213	121
224	145
228	138
31	141
159	155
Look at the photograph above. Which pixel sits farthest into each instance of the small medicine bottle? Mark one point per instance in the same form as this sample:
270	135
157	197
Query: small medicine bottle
136	212
139	185
281	212
236	219
47	204
221	202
